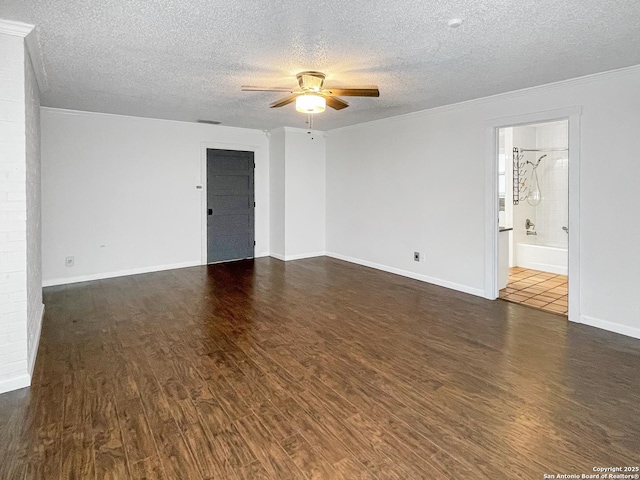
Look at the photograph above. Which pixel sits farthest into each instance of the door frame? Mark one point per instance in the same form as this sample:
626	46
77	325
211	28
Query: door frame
204	146
572	114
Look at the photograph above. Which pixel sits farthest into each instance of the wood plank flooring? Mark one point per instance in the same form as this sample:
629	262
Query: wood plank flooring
314	369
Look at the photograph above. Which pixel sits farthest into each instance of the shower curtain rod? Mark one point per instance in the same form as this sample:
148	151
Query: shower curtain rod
544	149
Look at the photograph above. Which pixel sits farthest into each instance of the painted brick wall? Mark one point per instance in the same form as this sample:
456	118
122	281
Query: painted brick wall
34	204
13	215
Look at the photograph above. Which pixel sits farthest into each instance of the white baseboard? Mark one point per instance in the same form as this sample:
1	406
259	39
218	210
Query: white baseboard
32	356
300	256
406	273
121	273
611	326
15	383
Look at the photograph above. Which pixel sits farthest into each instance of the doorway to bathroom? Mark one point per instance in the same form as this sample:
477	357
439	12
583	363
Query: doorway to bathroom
533	215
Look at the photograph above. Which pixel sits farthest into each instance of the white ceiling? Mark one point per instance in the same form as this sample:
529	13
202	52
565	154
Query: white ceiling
186	59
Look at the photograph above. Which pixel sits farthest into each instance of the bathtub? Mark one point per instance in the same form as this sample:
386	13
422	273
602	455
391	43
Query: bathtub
540	257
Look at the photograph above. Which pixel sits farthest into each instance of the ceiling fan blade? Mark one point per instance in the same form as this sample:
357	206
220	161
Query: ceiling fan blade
284	101
251	88
370	91
336	103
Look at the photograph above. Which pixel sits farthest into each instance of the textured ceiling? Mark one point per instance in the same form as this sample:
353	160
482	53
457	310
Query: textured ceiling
186	59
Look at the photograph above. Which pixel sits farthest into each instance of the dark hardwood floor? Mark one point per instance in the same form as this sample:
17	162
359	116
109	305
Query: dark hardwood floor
314	369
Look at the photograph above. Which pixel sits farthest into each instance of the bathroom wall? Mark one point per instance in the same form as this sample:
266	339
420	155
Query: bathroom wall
523	137
553	211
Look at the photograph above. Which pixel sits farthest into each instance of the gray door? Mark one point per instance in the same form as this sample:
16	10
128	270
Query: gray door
230	217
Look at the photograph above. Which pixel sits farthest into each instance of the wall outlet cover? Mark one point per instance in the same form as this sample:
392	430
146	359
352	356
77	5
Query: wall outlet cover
69	261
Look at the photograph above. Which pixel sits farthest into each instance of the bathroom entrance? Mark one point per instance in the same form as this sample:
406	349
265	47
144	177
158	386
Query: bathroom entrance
533	215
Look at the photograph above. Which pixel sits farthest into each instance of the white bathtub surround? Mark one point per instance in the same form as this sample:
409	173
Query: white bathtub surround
543	258
551	214
553	211
547	250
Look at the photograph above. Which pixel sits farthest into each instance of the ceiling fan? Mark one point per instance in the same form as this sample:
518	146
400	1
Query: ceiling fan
312	97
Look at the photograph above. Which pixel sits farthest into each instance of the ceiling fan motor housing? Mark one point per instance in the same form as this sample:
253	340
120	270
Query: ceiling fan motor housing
310	81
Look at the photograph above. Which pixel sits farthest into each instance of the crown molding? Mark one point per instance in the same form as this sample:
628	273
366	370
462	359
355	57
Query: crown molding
17	29
86	113
32	43
585	79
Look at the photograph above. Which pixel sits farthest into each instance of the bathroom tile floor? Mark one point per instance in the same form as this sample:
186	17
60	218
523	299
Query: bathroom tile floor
546	291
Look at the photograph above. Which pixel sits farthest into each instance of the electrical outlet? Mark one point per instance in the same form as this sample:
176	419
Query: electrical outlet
69	261
416	256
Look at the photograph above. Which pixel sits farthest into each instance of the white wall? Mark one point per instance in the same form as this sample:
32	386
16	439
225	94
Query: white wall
416	183
20	282
277	192
410	184
34	205
297	192
119	193
13	216
305	193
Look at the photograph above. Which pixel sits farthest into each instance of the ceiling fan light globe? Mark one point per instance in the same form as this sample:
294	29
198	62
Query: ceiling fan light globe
311	104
